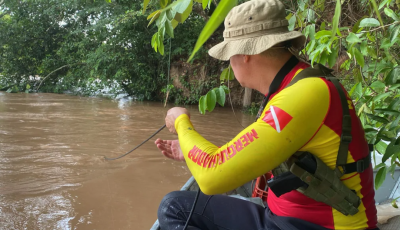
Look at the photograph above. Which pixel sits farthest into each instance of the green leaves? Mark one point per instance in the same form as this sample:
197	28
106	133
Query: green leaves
214	96
220	92
380	177
389	12
381	147
181	17
394	204
182	6
323	33
390	151
211	99
27	88
216	19
203	104
377	118
163	3
393	75
292	22
206	3
145	4
377	85
335	20
167	18
332	57
169	28
359	57
394	33
227	74
153	16
375	6
369	22
381	97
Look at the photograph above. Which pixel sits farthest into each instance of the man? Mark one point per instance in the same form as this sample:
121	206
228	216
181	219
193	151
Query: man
307	116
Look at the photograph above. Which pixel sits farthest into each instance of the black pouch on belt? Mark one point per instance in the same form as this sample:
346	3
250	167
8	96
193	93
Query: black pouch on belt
287	182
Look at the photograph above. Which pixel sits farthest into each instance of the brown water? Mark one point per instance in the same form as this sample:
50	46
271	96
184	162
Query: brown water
52	171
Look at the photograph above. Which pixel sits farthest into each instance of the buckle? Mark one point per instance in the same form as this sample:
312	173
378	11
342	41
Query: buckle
360	166
346	139
370	147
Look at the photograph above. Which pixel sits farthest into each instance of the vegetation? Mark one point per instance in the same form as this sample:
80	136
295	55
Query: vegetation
87	46
90	45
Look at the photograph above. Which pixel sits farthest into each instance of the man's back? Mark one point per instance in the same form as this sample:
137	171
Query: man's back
324	144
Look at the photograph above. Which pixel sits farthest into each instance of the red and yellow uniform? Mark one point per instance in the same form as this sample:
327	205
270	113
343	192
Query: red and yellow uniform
307	117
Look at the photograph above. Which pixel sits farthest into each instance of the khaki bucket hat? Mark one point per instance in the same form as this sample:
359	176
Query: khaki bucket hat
254	27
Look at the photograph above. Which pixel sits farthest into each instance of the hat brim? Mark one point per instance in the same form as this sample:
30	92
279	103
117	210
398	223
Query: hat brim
256	45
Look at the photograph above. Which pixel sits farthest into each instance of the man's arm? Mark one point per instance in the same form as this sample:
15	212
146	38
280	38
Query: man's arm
288	122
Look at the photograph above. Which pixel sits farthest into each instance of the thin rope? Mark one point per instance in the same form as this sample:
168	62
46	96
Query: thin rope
115	158
230	99
169	68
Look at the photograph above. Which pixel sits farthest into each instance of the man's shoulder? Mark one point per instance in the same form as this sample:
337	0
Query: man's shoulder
310	86
304	99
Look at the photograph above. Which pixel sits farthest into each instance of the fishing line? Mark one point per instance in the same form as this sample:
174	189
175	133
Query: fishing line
198	191
169	69
230	99
193	207
115	158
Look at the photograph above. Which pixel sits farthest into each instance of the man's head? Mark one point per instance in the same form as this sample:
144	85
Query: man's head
258	71
254	27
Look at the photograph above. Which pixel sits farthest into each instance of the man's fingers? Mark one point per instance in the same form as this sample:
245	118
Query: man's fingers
158	141
164	148
168	155
169	148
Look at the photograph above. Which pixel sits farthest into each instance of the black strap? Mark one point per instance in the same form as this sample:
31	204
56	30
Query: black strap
285	70
317	71
360	165
345	139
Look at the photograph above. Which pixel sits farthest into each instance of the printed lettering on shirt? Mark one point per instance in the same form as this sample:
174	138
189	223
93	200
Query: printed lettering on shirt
204	159
239	145
231	151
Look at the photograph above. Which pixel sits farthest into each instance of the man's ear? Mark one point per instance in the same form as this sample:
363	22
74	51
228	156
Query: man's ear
246	58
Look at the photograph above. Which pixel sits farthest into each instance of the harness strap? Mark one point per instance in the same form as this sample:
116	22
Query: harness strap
310	72
345	139
358	166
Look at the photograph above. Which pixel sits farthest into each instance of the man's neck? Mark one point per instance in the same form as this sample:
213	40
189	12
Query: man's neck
265	69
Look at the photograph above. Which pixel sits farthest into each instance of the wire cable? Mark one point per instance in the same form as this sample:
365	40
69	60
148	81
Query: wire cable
115	158
191	211
230	99
169	69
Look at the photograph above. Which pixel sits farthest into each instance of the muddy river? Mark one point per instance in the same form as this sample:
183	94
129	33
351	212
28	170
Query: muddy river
53	174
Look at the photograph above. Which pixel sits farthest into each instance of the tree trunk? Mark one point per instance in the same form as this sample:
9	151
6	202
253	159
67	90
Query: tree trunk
247	97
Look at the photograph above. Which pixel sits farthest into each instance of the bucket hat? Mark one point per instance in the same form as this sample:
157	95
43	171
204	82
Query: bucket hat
254	27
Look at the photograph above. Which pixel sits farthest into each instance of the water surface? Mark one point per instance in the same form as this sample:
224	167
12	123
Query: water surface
52	171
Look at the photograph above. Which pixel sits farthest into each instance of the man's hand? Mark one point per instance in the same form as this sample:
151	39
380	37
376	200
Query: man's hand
170	149
172	114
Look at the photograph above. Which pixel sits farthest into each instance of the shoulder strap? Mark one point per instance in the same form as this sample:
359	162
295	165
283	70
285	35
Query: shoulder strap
345	139
318	71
